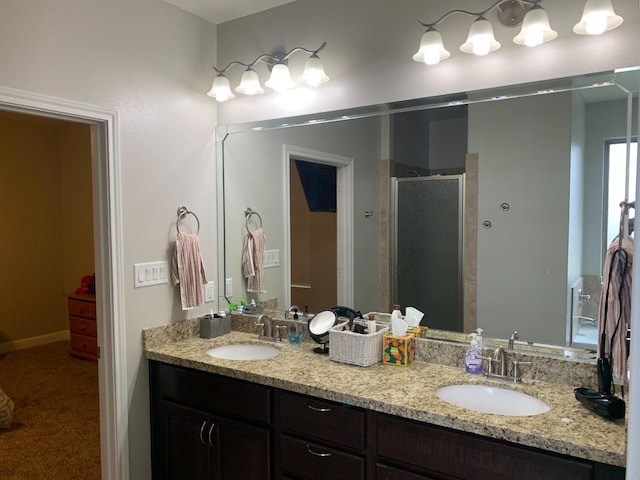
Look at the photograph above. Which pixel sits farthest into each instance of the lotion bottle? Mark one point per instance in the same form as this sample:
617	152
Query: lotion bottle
473	357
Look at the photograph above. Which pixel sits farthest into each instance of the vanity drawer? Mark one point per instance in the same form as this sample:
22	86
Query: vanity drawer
311	461
466	456
322	419
213	393
384	472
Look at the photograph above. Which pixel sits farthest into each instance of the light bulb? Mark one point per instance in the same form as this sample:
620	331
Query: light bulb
535	28
250	83
221	90
280	79
597	17
313	74
480	40
431	49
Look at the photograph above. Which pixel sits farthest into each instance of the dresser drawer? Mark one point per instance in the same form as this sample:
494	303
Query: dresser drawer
323	420
83	343
79	308
83	326
311	461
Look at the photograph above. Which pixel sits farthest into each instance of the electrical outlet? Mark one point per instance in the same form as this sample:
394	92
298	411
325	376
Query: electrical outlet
228	287
150	273
210	292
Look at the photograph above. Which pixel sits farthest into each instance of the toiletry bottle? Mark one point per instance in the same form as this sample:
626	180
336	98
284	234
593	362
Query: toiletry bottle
473	357
396	311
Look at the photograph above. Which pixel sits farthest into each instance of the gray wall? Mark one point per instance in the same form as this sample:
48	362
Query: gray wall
524	160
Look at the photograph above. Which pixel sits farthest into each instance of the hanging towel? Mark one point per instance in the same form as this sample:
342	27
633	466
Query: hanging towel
187	270
252	253
614	315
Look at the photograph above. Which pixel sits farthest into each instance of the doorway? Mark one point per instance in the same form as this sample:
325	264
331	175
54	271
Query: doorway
107	226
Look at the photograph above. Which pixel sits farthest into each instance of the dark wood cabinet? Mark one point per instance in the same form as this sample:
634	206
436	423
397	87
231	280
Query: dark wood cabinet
83	329
211	427
201	433
320	439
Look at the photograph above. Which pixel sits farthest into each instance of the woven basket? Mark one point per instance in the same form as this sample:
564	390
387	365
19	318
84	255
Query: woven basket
355	348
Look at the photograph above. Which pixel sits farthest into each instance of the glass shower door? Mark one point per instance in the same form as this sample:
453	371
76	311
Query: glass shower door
427	239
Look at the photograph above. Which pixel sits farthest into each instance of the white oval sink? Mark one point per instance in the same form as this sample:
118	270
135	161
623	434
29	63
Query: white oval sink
243	351
499	401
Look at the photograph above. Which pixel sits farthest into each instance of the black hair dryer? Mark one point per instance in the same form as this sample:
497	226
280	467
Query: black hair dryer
602	402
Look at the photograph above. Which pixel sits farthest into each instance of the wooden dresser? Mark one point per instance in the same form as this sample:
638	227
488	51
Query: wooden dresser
82	326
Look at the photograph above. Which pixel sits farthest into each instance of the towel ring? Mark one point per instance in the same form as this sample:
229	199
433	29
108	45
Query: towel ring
248	213
183	212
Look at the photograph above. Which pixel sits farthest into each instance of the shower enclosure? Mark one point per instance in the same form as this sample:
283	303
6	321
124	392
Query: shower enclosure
427	247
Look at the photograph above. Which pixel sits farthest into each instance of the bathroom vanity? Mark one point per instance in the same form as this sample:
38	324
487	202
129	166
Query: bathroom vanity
300	415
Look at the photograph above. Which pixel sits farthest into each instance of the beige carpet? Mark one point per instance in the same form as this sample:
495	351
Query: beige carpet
56	427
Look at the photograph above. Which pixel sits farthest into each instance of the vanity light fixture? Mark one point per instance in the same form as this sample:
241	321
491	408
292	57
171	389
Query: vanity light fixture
598	17
279	80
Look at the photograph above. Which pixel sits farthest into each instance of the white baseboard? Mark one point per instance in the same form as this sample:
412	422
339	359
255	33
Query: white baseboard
36	341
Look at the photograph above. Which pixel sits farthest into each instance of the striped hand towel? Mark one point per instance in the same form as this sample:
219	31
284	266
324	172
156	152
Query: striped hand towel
187	270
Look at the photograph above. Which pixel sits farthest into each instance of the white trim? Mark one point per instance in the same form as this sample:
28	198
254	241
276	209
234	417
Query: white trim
345	201
36	341
109	265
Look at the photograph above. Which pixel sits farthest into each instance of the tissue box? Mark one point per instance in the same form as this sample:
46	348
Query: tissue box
418	332
398	350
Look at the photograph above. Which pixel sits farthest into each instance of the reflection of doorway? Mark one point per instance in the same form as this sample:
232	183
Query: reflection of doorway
314	249
344	262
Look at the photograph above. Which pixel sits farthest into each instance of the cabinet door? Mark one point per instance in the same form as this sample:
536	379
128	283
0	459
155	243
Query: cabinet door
384	472
181	443
243	451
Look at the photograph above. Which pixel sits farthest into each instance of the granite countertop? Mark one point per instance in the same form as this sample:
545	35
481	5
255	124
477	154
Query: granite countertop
409	392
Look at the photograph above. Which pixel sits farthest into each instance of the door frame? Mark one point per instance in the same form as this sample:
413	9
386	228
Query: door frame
344	193
108	247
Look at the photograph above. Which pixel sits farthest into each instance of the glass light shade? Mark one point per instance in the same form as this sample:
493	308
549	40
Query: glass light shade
313	74
221	90
250	83
431	49
280	79
535	28
597	17
480	40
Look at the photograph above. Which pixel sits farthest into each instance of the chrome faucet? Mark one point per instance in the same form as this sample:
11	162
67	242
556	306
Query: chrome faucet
269	331
500	358
514	336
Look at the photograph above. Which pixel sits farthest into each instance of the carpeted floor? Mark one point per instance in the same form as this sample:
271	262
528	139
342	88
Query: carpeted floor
56	427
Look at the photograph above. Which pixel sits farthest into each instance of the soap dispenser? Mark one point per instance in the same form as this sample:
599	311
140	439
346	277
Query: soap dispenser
473	357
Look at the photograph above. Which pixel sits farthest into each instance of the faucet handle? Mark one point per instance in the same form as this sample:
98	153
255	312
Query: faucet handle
278	329
517	375
261	325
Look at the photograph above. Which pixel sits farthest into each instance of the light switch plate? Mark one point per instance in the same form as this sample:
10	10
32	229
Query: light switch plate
271	258
150	273
228	287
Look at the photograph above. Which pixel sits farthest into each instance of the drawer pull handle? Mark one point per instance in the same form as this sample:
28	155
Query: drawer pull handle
202	431
318	409
317	454
210	432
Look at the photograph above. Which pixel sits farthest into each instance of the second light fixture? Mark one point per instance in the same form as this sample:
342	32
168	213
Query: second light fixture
279	80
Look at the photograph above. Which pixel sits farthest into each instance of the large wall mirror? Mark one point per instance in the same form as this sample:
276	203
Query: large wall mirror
480	209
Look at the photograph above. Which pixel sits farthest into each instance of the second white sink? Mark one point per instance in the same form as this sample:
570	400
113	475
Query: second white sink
243	351
495	400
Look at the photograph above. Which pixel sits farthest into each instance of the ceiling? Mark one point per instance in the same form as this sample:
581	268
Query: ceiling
220	11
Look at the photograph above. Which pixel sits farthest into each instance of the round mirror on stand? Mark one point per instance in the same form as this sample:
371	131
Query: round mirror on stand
319	326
